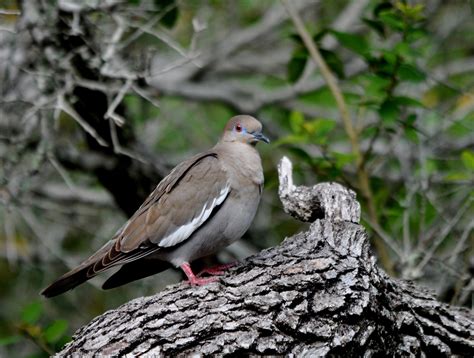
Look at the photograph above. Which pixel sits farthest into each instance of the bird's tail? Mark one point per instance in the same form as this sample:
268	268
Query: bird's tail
67	282
79	275
134	271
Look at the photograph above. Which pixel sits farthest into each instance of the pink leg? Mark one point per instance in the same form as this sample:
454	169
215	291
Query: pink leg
192	279
217	270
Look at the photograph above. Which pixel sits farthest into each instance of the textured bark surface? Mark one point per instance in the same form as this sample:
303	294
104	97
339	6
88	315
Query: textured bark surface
319	293
321	201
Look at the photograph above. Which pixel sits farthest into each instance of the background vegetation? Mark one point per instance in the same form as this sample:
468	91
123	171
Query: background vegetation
99	100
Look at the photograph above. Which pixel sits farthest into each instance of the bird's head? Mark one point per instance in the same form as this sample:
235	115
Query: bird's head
244	129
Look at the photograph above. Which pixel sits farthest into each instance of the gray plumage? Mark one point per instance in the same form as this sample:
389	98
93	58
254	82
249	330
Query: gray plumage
204	204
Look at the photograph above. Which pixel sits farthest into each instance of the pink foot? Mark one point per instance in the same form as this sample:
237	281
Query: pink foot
199	281
193	280
217	270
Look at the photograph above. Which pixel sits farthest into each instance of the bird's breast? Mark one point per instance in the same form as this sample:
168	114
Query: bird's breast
244	167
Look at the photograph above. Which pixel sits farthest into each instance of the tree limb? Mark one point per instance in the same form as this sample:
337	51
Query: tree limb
320	293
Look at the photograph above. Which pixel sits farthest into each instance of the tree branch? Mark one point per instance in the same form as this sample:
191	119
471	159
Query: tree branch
319	293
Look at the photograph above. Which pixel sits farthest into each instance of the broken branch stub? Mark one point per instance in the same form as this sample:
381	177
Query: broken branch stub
330	201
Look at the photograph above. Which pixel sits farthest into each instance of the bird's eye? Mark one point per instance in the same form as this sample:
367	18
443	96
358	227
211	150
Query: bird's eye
238	127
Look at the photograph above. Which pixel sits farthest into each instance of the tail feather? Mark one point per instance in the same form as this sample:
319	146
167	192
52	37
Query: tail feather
104	259
135	270
67	282
79	275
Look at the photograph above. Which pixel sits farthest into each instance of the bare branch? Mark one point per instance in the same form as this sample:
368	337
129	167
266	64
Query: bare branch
113	106
10	12
64	106
442	235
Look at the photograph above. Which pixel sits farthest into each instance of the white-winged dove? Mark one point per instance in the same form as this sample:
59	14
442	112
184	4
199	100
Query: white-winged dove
204	204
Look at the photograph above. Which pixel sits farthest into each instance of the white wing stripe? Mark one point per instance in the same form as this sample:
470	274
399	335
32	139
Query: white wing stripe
185	231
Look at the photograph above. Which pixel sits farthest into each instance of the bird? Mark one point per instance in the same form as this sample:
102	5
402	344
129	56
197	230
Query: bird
203	205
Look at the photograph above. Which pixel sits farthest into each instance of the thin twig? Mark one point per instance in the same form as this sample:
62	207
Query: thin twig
113	106
460	244
178	63
444	233
64	106
118	149
10	12
117	35
62	172
391	243
407	247
144	28
143	93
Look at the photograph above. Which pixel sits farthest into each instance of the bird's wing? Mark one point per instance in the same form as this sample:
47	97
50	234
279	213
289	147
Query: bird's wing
182	202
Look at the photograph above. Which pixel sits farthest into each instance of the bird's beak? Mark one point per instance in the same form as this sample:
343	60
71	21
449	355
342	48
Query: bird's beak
259	136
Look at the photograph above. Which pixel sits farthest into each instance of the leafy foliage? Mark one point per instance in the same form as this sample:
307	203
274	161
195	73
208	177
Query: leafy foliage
49	337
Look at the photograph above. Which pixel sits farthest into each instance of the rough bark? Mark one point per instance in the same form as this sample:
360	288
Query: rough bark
319	293
322	201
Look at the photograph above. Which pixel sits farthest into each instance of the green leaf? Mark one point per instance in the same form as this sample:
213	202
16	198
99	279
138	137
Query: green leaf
319	129
382	6
457	176
341	159
297	64
291	139
404	50
321	163
467	157
390	58
383	66
172	12
374	86
32	312
407	101
392	20
355	43
458	128
296	121
410	120
413	12
389	111
375	25
431	166
55	330
334	62
5	341
410	73
321	97
415	34
412	134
